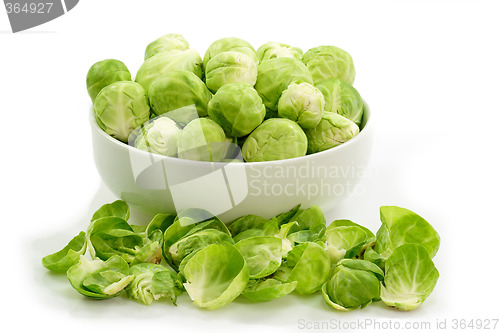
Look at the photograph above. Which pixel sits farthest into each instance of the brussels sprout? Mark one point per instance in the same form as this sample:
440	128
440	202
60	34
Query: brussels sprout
329	62
110	235
99	279
346	239
273	50
252	225
355	283
229	44
202	140
120	108
152	282
192	243
342	98
332	130
310	226
410	277
105	72
215	276
190	222
302	103
178	89
230	67
118	208
275	139
164	44
275	75
309	265
237	108
372	256
402	226
62	260
267	289
163	63
159	137
262	254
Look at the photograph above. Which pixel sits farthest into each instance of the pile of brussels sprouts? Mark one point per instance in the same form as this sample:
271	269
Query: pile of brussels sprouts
271	104
257	258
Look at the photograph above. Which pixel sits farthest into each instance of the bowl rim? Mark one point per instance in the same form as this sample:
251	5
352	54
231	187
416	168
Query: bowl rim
362	133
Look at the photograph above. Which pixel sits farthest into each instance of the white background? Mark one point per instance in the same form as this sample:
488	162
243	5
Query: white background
429	70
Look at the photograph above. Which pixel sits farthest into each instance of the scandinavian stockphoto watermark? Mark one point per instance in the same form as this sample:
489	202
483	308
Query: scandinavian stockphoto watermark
228	181
26	14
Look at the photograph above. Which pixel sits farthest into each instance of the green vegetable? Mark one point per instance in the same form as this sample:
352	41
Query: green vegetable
309	226
251	226
161	64
262	255
229	44
329	62
159	137
342	98
275	139
230	67
120	108
355	283
152	282
100	279
215	276
275	75
191	222
410	277
302	103
103	73
401	226
202	140
309	265
109	236
62	260
165	44
332	130
265	290
194	242
118	208
237	108
346	239
273	50
177	89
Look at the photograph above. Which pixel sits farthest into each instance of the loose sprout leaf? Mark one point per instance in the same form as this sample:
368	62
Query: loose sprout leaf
309	265
152	282
310	227
262	254
266	290
195	242
355	284
345	241
215	276
402	226
285	217
253	222
99	279
62	260
110	236
410	277
119	208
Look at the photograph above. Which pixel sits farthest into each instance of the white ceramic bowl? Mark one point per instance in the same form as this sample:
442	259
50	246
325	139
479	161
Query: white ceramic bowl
153	183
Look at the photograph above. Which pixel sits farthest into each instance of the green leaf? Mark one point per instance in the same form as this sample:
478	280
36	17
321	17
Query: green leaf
99	279
402	226
267	289
62	260
215	276
410	277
